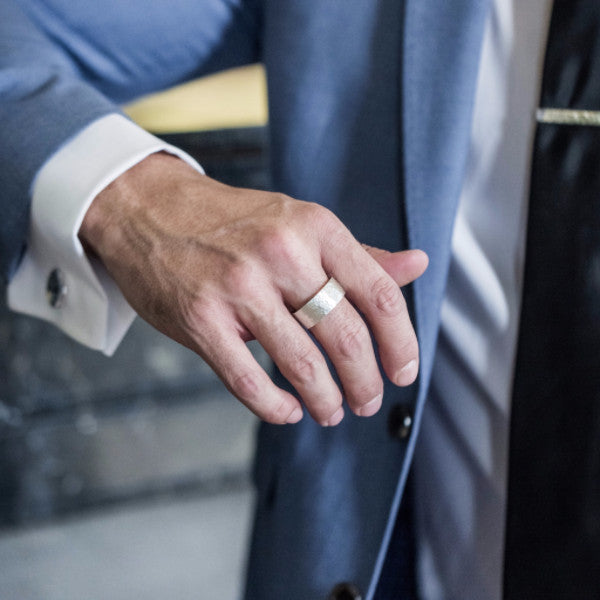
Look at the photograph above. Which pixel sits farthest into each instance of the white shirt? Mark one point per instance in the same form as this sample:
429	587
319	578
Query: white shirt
460	465
461	458
94	312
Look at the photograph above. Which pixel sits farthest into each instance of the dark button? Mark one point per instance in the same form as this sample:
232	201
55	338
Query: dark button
400	421
345	591
56	288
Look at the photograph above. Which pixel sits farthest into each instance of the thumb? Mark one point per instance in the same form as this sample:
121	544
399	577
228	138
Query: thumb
404	266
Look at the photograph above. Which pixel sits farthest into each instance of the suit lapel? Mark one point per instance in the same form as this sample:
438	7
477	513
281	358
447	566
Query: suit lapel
440	59
442	45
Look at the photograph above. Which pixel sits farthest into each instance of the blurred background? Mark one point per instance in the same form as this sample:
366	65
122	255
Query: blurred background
129	477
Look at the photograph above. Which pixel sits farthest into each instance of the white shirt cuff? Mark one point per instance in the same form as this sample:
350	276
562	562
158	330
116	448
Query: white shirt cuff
89	305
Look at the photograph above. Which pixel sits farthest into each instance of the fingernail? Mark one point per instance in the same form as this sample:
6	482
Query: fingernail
296	416
407	374
337	417
370	408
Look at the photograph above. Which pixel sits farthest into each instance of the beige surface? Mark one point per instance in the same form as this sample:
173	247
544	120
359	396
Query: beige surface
235	98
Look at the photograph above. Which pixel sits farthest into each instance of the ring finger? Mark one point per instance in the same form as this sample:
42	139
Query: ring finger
345	338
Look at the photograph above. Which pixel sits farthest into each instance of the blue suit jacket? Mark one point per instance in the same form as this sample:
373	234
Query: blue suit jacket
370	112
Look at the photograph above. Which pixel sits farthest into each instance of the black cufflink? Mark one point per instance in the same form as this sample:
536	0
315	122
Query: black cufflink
56	288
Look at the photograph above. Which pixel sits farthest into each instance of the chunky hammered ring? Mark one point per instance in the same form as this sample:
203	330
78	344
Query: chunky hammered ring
321	304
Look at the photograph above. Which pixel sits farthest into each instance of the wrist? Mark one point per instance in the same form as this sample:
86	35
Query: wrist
123	198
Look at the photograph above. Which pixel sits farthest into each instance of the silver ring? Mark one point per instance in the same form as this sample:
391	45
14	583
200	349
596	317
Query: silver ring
321	304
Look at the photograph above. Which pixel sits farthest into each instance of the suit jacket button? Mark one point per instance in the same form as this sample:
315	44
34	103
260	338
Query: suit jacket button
56	288
345	591
400	421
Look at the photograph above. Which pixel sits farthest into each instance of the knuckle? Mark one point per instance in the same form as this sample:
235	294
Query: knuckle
282	198
318	214
306	367
282	206
279	241
352	339
246	386
387	297
331	225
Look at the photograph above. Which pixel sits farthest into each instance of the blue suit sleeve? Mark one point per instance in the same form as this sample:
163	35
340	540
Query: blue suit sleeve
63	64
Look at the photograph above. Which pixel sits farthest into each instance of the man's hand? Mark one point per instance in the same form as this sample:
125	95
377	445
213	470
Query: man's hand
213	266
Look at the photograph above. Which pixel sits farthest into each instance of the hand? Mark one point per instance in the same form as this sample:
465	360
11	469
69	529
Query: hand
213	266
